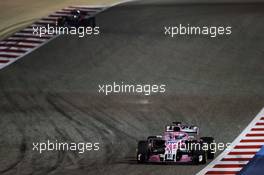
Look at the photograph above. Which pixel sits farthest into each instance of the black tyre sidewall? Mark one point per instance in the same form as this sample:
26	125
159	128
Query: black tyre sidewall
143	151
209	140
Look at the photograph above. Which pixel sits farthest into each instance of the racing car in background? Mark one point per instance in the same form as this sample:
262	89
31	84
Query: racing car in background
77	18
179	143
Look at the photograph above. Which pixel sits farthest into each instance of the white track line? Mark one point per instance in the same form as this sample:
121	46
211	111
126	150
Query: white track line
243	148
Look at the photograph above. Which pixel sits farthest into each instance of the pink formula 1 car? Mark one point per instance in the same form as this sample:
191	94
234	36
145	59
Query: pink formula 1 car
179	143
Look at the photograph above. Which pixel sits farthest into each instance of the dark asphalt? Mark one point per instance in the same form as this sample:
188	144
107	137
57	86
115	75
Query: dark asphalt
52	93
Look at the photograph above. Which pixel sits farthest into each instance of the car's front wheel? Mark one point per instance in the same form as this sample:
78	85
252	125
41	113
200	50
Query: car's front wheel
199	157
142	152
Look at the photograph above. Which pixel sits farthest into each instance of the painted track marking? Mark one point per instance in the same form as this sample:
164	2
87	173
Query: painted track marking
243	149
24	41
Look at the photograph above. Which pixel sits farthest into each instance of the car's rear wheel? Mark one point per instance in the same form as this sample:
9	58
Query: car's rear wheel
92	22
211	147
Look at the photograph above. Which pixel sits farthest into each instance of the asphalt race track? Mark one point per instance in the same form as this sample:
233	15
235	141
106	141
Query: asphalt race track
216	84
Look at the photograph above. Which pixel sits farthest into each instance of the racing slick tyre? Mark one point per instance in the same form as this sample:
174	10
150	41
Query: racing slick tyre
92	22
61	22
210	151
142	152
152	137
199	157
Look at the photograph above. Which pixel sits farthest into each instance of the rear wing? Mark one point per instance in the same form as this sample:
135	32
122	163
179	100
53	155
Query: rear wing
190	129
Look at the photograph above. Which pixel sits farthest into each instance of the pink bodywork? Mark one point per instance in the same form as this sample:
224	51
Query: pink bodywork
174	141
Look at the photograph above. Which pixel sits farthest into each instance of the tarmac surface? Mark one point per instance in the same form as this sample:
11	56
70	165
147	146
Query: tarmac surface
52	93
